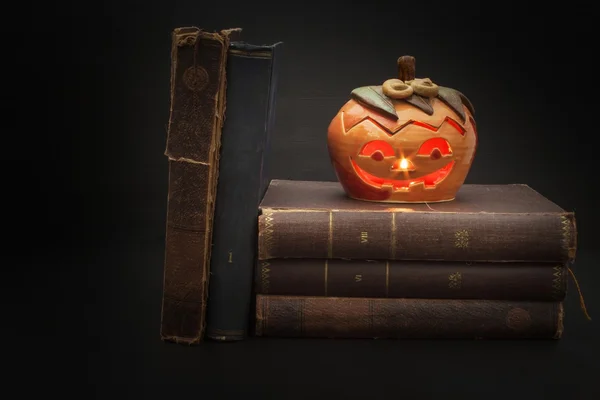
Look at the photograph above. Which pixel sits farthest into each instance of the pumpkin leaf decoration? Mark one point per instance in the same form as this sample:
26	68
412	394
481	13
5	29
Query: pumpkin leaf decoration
422	103
415	91
453	100
373	97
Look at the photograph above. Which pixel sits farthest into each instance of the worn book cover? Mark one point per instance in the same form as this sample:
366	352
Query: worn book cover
198	63
412	279
364	318
251	93
507	222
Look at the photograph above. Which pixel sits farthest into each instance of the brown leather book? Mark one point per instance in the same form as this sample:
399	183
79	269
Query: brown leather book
197	105
344	317
302	219
412	279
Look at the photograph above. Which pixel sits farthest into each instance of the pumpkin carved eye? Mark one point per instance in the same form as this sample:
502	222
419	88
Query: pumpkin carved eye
435	148
377	150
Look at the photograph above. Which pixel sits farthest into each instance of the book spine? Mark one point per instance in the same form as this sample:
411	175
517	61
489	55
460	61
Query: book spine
251	88
197	102
539	237
412	279
341	317
266	167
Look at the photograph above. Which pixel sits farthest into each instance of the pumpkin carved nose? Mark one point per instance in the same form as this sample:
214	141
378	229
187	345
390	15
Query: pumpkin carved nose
403	164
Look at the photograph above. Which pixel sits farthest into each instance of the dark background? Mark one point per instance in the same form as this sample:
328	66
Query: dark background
85	188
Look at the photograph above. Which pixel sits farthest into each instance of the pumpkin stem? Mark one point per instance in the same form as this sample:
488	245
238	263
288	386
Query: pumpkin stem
406	68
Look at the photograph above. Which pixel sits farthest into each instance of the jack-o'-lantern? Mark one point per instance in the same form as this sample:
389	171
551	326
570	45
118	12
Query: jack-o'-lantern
408	140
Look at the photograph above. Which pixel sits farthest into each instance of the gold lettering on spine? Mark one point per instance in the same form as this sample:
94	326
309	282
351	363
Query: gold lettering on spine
364	237
326	275
330	238
357	278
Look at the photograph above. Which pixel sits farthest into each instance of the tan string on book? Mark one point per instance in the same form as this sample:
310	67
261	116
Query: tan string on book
581	301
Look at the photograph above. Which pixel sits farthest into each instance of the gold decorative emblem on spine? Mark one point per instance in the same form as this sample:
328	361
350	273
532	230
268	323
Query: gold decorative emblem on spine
566	229
455	280
265	276
557	281
518	319
568	235
461	239
195	78
268	233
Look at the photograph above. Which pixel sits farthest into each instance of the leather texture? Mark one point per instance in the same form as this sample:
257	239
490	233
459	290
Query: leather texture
301	219
197	104
339	317
412	279
251	91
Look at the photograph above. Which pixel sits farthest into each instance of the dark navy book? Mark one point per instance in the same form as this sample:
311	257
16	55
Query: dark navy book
242	182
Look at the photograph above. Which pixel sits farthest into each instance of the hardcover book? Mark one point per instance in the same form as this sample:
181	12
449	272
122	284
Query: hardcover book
412	279
511	222
198	64
242	182
343	317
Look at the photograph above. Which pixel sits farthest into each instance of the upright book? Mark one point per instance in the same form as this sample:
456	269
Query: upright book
198	63
242	182
302	219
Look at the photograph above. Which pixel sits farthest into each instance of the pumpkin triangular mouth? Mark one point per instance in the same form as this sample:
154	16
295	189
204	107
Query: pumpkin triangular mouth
429	181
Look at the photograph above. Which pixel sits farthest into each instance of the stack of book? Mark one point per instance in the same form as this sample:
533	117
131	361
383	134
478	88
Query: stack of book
493	263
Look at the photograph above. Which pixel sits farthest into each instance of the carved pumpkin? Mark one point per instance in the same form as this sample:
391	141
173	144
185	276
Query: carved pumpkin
408	140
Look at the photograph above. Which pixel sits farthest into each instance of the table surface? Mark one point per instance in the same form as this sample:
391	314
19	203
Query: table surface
123	346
